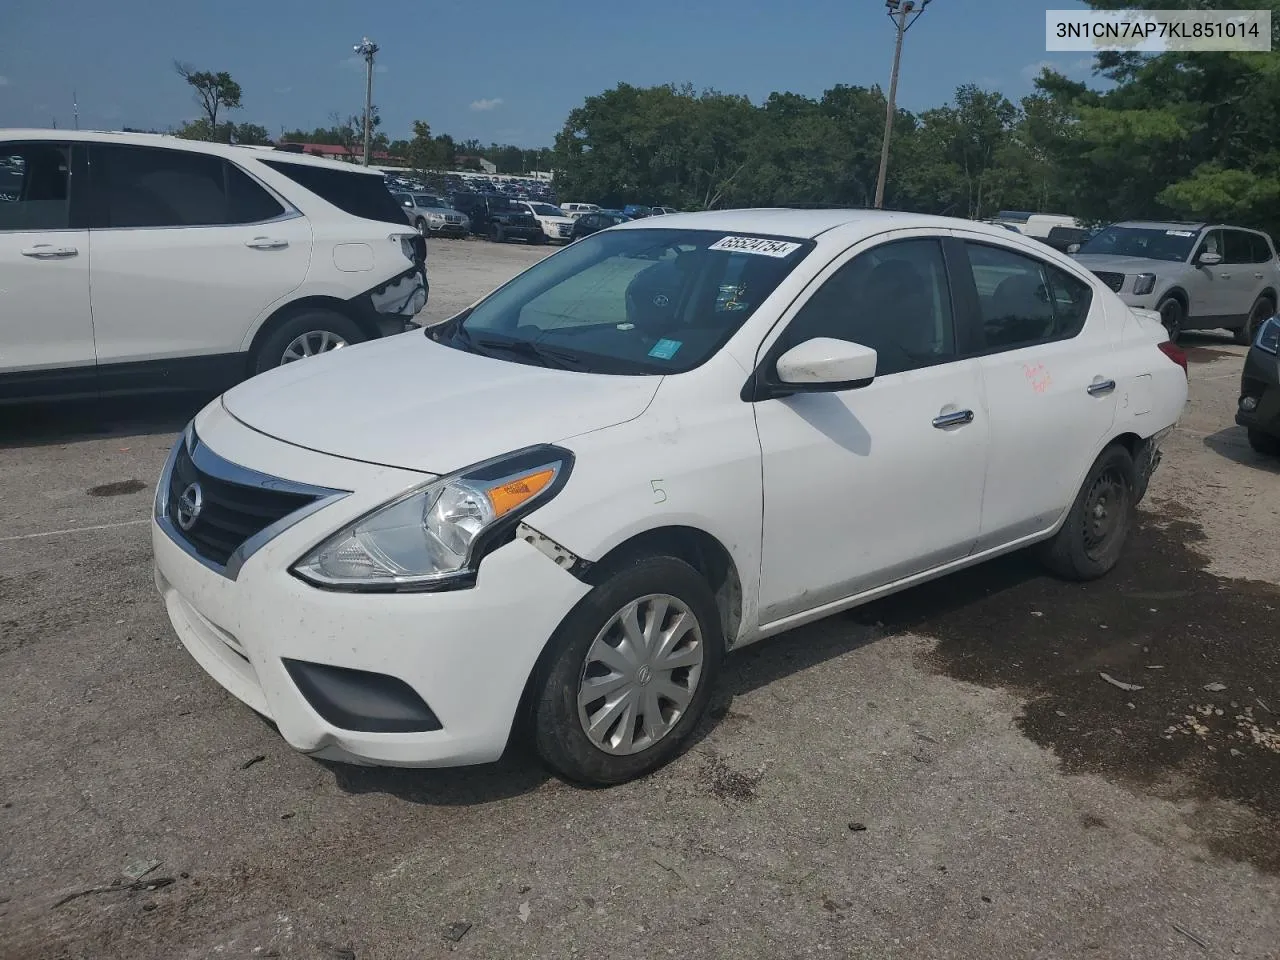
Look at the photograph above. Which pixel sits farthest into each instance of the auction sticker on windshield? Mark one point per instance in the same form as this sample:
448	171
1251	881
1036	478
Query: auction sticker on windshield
1179	233
665	349
767	248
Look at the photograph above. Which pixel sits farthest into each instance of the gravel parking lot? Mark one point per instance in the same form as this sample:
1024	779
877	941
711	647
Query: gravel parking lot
943	774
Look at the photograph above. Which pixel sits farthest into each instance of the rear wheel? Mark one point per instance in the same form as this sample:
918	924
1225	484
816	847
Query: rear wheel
1093	535
628	674
496	234
1172	315
1264	443
1263	308
306	334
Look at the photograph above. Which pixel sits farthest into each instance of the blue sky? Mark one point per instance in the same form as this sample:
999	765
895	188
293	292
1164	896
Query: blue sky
504	70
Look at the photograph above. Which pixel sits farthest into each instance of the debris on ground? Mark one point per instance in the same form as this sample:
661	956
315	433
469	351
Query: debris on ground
1119	683
137	869
1190	936
454	932
337	953
857	827
525	912
1215	687
136	887
252	760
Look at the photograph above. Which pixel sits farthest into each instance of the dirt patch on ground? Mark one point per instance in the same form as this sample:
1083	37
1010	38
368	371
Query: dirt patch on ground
1205	354
1190	704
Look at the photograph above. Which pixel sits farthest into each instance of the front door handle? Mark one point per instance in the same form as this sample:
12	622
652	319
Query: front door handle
956	419
266	243
1225	276
1258	276
1100	387
46	251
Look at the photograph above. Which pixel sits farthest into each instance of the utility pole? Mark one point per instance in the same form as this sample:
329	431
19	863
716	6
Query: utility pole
899	11
367	48
75	106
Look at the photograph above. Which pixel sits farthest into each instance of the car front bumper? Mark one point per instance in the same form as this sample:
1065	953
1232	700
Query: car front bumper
1258	407
466	654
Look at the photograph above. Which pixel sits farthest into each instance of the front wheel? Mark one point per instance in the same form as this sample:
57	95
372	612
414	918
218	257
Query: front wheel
628	674
1172	316
1263	308
421	226
1264	443
1093	535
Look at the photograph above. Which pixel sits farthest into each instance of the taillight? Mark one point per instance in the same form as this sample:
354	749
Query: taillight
1175	353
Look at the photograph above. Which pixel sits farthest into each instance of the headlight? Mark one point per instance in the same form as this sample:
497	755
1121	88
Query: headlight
434	538
1144	283
436	217
1269	336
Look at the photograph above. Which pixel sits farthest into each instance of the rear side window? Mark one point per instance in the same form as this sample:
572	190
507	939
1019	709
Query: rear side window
1025	301
359	194
34	186
1257	247
148	187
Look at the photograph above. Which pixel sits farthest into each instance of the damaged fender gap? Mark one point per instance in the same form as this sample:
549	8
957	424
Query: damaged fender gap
557	554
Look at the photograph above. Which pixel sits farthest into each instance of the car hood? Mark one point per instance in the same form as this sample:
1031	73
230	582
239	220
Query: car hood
406	401
1114	264
568	221
440	210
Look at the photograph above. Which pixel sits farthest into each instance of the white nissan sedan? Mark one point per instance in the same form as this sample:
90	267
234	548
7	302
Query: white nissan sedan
560	509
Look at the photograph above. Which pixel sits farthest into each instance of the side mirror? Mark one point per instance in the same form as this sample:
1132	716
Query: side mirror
1207	259
826	365
1073	248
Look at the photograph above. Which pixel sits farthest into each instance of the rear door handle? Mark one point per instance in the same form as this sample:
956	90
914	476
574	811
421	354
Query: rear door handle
1225	276
1100	387
266	243
45	251
956	419
1258	276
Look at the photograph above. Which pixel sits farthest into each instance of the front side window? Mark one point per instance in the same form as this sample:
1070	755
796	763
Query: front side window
1212	243
630	302
1025	301
35	181
894	299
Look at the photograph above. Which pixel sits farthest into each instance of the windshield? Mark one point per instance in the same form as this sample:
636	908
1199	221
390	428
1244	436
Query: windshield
546	210
629	302
426	200
1154	243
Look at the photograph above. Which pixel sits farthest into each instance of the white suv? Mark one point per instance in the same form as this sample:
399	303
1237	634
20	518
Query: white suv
141	263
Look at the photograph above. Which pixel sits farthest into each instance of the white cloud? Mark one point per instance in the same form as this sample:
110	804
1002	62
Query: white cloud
486	103
1032	70
283	90
1085	63
4	81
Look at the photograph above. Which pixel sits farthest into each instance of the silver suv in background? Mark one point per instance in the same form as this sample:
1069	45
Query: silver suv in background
1198	276
433	216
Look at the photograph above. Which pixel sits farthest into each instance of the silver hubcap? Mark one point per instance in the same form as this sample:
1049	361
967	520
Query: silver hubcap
640	674
311	343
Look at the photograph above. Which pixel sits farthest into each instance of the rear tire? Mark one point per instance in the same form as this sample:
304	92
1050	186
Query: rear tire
1264	443
618	752
1172	315
315	321
496	234
1262	309
1092	538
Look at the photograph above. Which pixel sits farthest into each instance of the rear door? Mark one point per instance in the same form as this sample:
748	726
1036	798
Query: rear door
189	250
46	332
1050	378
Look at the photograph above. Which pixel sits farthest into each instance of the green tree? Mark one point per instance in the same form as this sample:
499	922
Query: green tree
213	92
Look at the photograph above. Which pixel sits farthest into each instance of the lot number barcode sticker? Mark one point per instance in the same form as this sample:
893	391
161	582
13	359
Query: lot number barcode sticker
767	248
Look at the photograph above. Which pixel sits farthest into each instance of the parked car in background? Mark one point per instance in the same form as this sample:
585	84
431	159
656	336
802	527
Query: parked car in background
886	399
1063	239
661	211
576	210
636	211
1198	276
209	262
432	215
499	218
589	223
1258	409
555	225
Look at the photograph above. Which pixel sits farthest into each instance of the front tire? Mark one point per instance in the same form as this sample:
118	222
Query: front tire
1093	536
1262	309
1264	443
421	226
1172	315
307	333
629	673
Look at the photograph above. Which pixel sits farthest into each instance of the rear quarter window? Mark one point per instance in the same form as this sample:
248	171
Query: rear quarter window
359	194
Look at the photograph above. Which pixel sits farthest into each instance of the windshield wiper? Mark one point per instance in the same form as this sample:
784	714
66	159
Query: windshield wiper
527	349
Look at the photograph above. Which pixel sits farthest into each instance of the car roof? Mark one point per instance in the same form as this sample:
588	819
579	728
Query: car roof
168	141
1162	224
804	224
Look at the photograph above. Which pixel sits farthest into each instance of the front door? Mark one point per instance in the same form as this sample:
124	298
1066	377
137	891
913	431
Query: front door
1051	384
189	251
868	486
46	330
